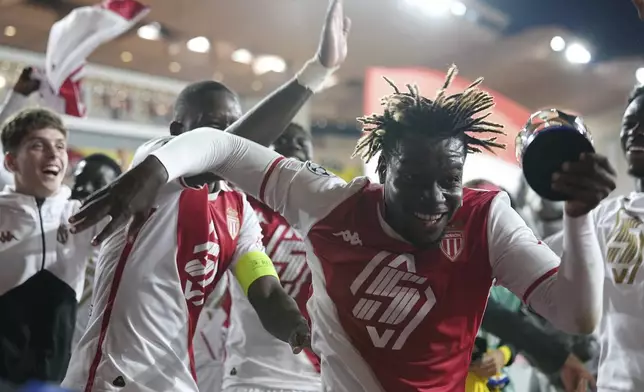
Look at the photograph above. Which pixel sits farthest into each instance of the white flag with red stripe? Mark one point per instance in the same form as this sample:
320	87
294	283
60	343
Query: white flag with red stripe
72	39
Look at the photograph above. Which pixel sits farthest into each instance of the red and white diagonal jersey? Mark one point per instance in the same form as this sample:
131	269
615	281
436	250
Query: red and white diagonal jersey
254	358
148	295
387	316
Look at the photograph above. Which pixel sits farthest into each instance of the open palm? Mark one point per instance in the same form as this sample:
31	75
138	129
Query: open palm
333	43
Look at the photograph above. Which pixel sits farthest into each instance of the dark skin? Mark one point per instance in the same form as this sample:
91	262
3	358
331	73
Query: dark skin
295	143
418	189
632	140
277	311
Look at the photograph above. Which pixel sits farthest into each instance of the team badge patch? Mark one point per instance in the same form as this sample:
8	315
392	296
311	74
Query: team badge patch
232	219
317	169
452	244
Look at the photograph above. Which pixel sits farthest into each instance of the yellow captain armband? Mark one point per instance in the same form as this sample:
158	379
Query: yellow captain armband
252	266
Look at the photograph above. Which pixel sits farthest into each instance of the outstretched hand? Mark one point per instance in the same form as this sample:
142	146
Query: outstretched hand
333	44
129	198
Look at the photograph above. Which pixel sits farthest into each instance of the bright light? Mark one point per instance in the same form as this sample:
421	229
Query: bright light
557	44
199	45
242	56
151	32
3	81
433	7
267	63
578	54
458	8
9	31
126	57
639	75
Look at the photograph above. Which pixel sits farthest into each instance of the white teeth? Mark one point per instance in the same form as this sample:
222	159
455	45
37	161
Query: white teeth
635	148
51	169
428	217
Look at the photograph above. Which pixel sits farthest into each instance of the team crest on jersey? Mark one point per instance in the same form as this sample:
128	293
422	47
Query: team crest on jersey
232	219
452	244
317	169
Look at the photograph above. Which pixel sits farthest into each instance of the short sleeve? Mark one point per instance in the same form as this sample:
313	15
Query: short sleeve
520	262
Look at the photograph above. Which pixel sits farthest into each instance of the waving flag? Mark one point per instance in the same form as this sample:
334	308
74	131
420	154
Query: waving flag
72	39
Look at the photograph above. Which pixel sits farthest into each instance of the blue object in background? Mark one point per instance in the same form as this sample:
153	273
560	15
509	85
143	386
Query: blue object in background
36	386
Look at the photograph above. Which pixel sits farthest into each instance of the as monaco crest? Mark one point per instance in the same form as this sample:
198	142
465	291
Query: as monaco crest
452	244
232	219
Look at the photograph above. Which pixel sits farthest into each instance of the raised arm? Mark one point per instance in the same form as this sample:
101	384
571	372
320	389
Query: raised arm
16	99
567	291
301	192
265	122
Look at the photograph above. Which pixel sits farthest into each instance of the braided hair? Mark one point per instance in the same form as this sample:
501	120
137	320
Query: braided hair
443	117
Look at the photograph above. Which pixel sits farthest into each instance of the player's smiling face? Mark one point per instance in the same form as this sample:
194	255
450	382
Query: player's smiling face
632	137
423	187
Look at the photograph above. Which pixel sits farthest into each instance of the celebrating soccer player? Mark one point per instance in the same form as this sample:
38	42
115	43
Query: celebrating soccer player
402	269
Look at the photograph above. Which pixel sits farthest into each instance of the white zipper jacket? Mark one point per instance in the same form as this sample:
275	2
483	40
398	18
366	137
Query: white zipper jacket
42	271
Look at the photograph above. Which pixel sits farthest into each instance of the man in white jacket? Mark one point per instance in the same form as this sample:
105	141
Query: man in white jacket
43	266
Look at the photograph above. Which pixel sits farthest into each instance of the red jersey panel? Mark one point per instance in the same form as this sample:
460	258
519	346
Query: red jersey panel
411	314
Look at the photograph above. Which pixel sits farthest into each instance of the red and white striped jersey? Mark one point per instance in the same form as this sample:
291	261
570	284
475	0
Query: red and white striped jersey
148	294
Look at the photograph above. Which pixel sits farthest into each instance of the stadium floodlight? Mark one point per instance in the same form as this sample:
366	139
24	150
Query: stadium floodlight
578	54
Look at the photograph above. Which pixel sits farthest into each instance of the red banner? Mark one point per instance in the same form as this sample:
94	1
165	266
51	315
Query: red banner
507	112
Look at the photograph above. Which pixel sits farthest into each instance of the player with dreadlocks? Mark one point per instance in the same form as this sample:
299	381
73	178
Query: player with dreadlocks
402	269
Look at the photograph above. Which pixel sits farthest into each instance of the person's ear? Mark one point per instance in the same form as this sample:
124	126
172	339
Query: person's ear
176	128
10	162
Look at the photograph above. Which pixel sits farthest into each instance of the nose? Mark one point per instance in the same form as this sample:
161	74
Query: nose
433	193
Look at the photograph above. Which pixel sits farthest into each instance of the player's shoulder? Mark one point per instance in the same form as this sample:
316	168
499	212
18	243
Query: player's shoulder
477	198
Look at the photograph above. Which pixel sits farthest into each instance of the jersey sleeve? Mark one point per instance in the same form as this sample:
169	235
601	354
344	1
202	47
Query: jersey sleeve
566	291
519	259
148	148
303	193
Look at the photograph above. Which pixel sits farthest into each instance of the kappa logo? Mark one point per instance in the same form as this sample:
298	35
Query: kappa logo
317	169
453	244
7	236
232	220
349	237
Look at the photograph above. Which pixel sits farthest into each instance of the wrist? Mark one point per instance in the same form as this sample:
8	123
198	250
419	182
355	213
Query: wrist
153	166
313	75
